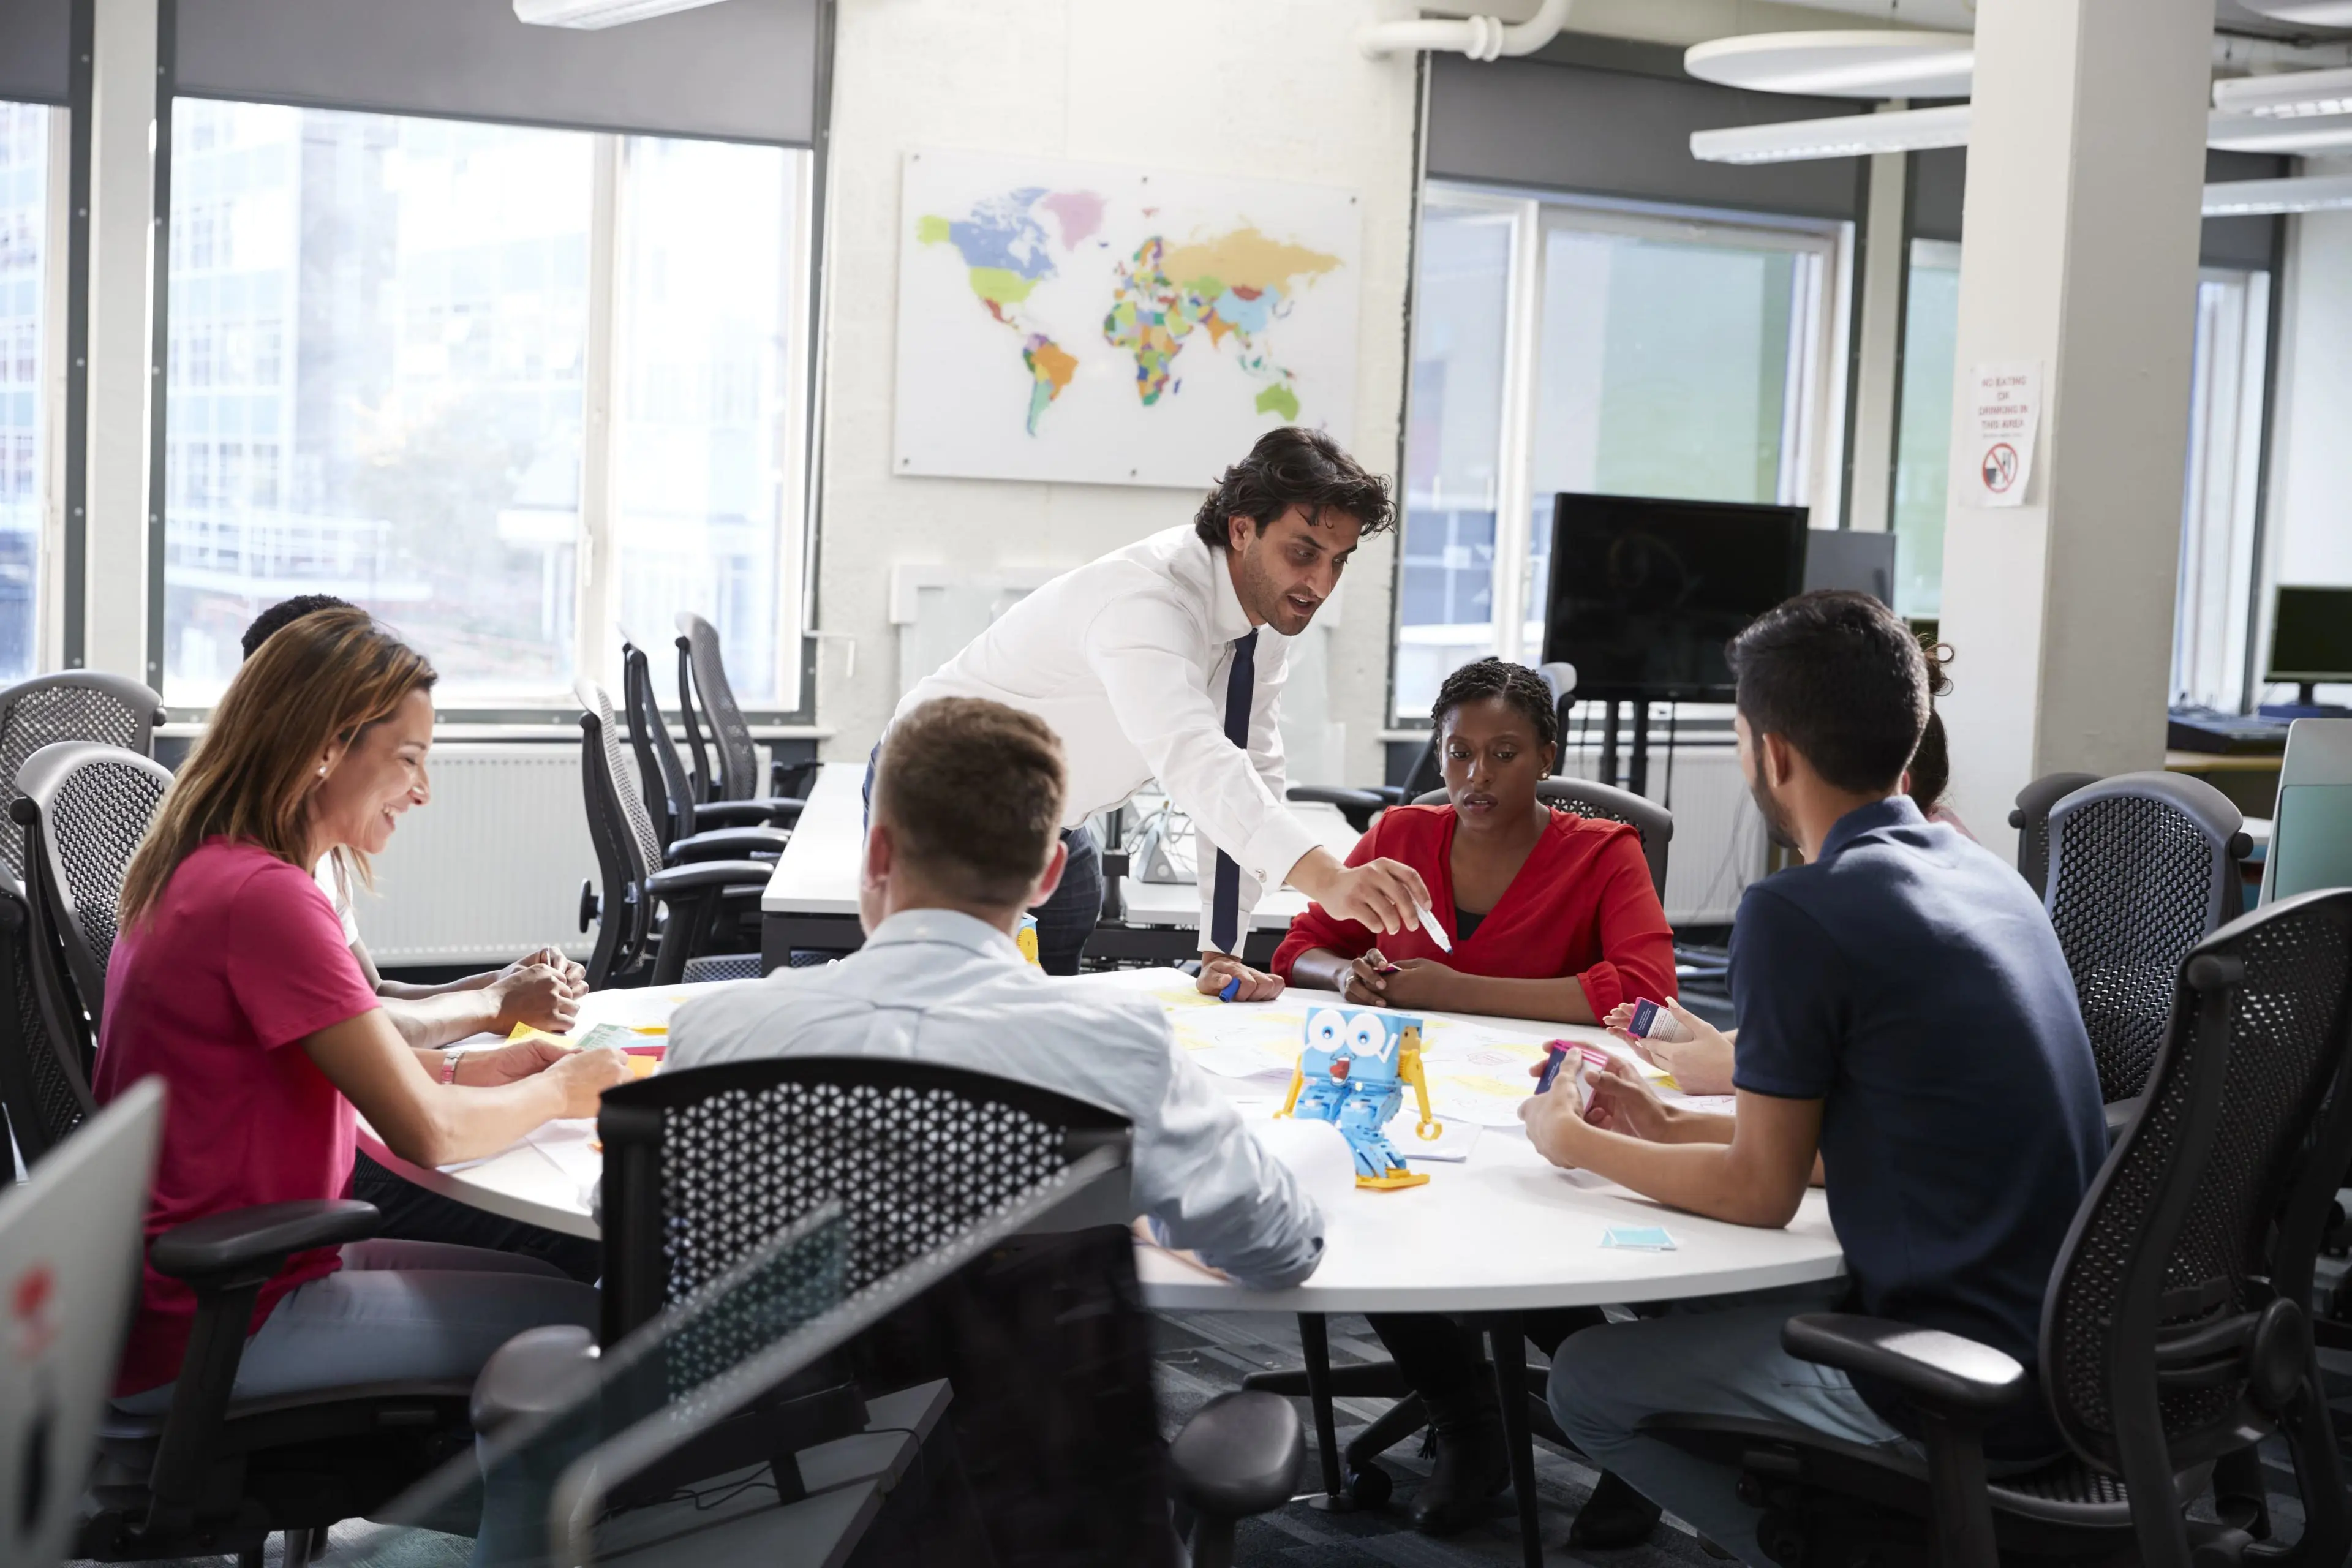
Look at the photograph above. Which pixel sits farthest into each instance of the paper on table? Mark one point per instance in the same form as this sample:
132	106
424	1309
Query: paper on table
1478	1098
1171	997
1242	1039
566	1146
633	1009
1450	1148
1459	1042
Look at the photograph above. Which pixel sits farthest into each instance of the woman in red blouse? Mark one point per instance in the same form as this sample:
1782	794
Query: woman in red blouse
1552	916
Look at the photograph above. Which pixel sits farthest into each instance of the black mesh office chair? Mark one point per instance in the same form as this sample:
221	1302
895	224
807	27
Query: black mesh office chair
78	705
2031	817
706	701
207	1476
2173	1335
1585	797
44	1077
654	922
692	829
2142	867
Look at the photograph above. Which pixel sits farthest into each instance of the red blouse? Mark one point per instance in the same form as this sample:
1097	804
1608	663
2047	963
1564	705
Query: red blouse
1581	905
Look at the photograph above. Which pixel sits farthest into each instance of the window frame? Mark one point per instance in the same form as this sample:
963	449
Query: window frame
1534	216
595	654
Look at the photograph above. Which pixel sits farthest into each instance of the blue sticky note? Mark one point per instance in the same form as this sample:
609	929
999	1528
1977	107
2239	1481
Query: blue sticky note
1638	1238
1232	989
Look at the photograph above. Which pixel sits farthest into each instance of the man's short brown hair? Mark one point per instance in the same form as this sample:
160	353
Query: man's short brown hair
974	791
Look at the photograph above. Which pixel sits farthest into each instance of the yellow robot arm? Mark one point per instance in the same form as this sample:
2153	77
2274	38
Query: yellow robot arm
1298	1082
1409	1070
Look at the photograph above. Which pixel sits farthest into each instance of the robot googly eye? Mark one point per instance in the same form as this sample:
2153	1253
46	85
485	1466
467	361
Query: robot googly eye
1325	1029
1368	1035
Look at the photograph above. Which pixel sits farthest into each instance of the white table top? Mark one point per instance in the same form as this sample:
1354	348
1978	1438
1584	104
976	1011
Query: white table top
818	871
1502	1231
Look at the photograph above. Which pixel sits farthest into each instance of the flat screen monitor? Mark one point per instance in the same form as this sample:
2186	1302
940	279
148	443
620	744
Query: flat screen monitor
1845	558
1645	593
2310	635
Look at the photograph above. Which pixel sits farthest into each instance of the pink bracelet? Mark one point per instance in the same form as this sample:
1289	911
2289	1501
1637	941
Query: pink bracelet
449	1060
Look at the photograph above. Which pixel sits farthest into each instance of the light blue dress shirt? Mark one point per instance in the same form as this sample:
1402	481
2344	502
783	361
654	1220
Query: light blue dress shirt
940	986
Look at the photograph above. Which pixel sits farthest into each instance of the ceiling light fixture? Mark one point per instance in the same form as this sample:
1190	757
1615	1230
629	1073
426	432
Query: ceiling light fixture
593	14
2262	198
2285	95
1840	136
1872	65
2316	133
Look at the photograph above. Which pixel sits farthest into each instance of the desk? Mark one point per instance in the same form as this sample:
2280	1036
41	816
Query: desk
1500	1234
811	899
2251	779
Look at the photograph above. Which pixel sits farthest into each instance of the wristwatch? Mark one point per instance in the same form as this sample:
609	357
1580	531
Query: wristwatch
449	1060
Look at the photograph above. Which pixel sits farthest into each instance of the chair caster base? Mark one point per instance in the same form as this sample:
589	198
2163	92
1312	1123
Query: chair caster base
1332	1502
1371	1487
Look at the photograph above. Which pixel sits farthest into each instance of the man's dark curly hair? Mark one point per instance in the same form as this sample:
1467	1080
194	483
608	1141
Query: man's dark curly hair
285	613
1292	466
1515	684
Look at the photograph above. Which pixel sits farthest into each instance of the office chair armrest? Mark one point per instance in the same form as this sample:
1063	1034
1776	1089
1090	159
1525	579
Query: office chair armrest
1239	1455
702	876
1944	1376
1357	805
215	1253
729	843
749	812
227	1258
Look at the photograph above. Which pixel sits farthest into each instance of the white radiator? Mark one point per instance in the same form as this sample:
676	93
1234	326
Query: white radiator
492	867
1719	842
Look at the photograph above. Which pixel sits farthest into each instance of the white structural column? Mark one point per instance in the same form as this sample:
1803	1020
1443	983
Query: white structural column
2085	161
121	307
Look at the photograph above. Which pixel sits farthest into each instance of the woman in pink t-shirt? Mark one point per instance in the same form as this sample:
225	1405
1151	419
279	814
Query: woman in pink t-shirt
231	981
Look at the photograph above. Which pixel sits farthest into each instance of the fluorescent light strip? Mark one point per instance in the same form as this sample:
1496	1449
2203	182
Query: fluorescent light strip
1840	136
2286	95
2255	198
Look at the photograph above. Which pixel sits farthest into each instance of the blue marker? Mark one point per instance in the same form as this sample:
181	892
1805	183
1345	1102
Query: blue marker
1232	989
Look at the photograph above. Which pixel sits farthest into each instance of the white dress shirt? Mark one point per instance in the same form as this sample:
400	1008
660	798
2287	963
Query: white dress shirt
938	986
1126	659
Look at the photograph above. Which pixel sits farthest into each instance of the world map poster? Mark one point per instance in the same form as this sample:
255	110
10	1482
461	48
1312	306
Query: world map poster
1093	324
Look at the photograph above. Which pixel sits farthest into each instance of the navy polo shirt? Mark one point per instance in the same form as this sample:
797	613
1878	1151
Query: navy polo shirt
1909	981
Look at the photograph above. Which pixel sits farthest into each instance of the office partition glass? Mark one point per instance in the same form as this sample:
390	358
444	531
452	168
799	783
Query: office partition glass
1562	345
25	151
503	386
708	395
1924	431
1453	445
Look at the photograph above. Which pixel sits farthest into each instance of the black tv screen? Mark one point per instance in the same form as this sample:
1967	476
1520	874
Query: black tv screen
1645	593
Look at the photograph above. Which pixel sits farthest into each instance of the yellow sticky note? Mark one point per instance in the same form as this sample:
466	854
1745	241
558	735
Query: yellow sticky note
1174	998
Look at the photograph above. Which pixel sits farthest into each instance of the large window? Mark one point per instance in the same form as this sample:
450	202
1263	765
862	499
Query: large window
2216	583
1563	346
387	363
25	433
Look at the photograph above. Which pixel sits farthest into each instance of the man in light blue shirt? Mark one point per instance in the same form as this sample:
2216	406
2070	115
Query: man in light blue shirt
966	836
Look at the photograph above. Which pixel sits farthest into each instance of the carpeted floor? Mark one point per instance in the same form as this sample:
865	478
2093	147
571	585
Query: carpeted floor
1202	1354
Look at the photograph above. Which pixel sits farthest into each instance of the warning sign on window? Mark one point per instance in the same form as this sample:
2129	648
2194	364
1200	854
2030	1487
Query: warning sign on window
2004	411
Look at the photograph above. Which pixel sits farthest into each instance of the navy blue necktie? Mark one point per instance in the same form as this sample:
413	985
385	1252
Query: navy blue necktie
1225	907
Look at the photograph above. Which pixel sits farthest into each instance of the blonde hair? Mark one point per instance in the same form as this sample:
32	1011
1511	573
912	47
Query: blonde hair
322	680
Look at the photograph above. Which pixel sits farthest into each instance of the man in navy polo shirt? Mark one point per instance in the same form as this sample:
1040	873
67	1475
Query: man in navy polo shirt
1907	1017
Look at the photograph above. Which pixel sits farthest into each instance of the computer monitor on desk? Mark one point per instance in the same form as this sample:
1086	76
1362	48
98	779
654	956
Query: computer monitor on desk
2311	642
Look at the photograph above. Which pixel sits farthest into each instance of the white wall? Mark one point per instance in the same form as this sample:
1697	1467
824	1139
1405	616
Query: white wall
1258	89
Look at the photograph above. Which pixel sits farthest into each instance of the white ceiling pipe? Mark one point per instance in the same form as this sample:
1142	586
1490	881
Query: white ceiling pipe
1480	38
2237	51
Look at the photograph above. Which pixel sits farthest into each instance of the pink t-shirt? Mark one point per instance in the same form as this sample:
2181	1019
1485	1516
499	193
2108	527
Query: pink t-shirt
240	958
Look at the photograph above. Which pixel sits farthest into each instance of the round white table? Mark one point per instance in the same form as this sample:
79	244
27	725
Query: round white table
1493	1237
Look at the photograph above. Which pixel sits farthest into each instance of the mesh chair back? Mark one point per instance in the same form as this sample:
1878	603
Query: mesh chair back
44	1082
2032	820
730	738
705	1166
2142	866
90	806
670	792
1586	797
79	705
627	849
2212	1203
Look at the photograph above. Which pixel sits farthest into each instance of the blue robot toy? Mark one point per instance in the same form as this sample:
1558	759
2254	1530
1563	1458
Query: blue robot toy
1352	1074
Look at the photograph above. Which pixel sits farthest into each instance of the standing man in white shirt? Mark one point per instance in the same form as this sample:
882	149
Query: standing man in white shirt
1151	663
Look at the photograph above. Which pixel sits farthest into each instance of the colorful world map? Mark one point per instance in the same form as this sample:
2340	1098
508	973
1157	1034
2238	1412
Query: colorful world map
1237	284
